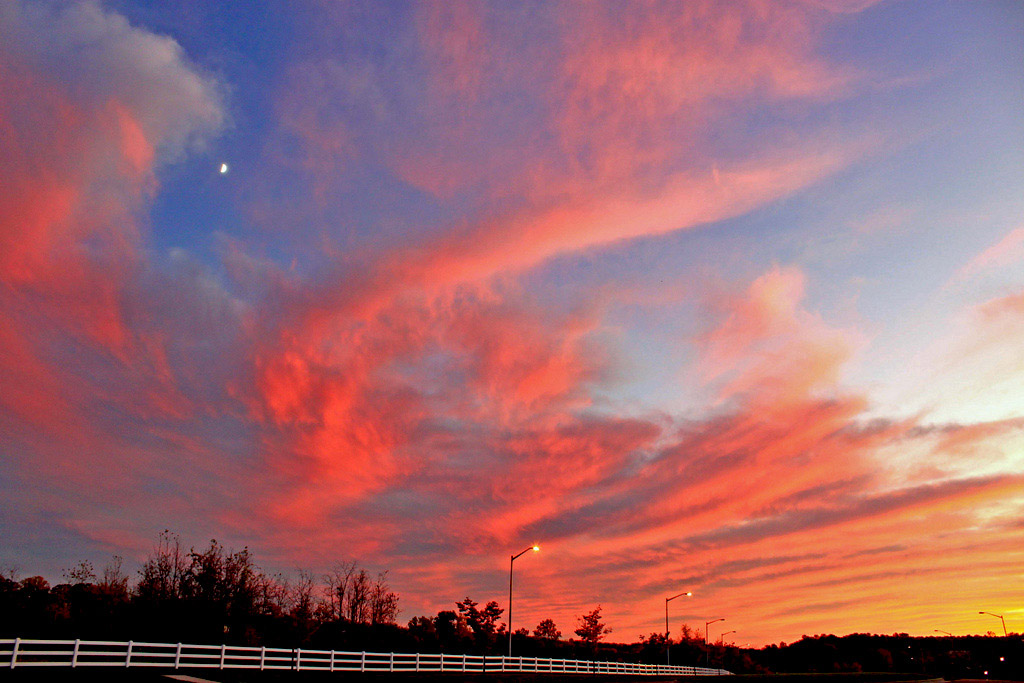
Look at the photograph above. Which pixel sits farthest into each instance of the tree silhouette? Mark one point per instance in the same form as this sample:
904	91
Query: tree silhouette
547	630
482	622
591	628
383	601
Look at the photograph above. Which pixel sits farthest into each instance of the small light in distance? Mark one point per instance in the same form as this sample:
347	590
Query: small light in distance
223	169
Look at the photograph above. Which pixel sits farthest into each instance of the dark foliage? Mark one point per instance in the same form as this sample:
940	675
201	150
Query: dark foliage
591	629
214	595
207	595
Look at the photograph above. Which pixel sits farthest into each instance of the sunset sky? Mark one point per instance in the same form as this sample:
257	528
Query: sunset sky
725	297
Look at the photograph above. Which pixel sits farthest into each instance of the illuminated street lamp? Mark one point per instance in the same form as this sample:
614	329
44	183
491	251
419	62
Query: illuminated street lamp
667	644
998	616
707	650
534	548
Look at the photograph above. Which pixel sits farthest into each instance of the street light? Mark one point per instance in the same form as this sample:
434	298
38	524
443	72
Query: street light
721	639
667	644
939	630
534	548
998	616
707	651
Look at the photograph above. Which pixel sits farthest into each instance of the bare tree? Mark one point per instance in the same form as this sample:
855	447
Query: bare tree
272	594
114	583
82	572
302	601
9	572
359	598
163	574
383	602
241	583
338	582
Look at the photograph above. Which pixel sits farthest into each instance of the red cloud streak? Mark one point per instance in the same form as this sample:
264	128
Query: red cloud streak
426	406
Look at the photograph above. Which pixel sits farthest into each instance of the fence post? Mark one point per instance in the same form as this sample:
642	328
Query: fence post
74	654
441	664
332	660
128	654
14	652
263	656
463	663
298	659
223	649
362	663
391	666
417	661
177	655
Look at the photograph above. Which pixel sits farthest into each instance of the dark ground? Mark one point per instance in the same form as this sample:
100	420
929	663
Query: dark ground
112	675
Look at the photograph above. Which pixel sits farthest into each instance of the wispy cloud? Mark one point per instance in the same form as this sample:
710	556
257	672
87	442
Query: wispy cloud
382	350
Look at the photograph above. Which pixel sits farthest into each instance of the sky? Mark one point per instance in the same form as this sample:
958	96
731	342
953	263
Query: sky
714	297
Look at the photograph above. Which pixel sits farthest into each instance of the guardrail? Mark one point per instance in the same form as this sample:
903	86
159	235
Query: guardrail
25	652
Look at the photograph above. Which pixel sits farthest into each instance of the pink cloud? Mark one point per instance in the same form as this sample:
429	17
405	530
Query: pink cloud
458	47
349	396
630	93
769	345
86	119
603	494
422	407
79	154
619	104
1008	250
1006	309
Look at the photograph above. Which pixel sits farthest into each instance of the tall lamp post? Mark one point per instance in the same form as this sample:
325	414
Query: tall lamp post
668	645
721	639
998	616
534	548
707	650
939	630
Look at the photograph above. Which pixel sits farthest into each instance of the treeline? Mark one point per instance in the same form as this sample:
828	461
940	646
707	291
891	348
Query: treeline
216	595
206	595
213	595
949	657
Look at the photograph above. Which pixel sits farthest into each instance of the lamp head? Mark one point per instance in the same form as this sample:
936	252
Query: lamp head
536	548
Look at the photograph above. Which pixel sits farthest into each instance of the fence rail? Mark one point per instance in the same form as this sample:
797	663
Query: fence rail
25	652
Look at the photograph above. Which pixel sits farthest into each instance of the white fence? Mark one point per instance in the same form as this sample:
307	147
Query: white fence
24	652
